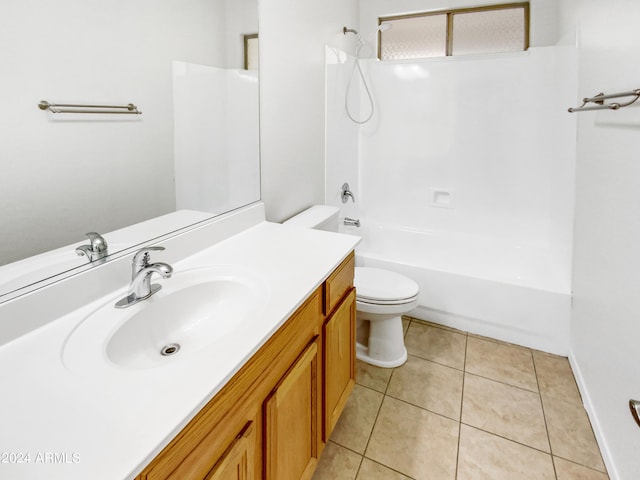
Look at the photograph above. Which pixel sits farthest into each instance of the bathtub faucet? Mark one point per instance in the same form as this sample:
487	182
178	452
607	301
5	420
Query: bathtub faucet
352	222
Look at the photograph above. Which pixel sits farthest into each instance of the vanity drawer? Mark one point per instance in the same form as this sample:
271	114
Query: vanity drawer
338	284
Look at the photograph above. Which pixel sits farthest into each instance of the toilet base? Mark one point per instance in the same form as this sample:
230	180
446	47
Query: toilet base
362	354
380	340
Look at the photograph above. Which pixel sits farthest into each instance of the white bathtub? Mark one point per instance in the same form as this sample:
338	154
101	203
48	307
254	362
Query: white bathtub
482	285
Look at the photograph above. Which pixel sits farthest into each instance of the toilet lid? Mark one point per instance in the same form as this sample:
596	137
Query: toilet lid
376	284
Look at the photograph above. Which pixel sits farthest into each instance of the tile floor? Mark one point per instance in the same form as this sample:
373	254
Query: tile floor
463	407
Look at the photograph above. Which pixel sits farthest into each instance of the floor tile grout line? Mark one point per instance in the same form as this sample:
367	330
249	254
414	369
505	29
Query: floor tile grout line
560	398
388	467
544	414
435	325
346	448
422	408
433	361
464	364
350	450
437	363
363	456
475	335
359	467
507	438
375	421
499	342
503	383
378	415
581	465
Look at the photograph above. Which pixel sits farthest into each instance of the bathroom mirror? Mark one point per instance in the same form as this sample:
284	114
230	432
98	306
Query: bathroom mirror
194	149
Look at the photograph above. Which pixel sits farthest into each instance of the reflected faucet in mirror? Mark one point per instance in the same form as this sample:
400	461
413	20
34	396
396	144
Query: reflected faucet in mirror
97	248
141	272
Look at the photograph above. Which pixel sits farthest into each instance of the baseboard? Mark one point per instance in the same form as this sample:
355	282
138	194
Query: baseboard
593	418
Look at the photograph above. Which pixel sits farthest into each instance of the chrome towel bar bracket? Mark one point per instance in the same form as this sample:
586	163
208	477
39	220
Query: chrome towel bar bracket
129	109
599	99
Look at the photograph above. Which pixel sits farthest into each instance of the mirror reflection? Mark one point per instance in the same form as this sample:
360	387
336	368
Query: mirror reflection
192	154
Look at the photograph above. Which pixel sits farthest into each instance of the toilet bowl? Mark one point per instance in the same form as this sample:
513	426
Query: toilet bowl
382	297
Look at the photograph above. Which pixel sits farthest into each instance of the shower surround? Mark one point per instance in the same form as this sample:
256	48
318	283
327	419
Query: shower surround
464	180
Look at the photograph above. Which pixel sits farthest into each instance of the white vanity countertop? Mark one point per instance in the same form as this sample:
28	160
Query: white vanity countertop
109	422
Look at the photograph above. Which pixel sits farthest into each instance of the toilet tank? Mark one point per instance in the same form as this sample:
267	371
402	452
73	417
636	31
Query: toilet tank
320	217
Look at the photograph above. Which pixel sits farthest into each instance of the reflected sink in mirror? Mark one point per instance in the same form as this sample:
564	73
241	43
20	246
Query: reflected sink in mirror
195	309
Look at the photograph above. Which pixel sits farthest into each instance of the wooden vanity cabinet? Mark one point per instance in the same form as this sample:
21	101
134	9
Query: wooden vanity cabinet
272	419
339	335
292	420
339	361
237	463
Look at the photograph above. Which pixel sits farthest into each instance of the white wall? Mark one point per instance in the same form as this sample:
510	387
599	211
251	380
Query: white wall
217	154
292	88
89	51
606	321
492	130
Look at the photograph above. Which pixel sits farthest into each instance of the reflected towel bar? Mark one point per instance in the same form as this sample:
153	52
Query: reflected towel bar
129	109
601	97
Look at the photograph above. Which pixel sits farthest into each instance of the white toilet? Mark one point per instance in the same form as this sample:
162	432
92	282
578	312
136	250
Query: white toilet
382	297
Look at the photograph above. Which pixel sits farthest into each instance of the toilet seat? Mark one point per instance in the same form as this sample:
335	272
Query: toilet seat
376	301
382	287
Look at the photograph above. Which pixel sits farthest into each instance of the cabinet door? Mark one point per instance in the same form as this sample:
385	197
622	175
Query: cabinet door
339	361
291	421
237	462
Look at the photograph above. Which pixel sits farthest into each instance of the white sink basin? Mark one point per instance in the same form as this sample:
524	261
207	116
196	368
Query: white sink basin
195	309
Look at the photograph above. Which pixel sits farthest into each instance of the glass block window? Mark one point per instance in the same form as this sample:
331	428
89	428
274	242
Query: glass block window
416	37
488	29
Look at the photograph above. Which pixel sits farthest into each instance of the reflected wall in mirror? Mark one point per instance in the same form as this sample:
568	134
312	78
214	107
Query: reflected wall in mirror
195	147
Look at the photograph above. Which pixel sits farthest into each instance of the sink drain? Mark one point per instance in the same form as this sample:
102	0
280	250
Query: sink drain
170	349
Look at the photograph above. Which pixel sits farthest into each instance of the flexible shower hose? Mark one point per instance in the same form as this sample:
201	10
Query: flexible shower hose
356	66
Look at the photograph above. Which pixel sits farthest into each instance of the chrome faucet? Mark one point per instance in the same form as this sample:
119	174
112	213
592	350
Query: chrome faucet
352	222
346	193
97	248
141	272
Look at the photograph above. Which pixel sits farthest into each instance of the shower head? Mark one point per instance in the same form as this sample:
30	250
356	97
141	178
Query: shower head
381	28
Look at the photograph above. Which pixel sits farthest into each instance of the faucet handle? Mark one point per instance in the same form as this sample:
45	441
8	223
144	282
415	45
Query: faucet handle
142	256
98	243
346	193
